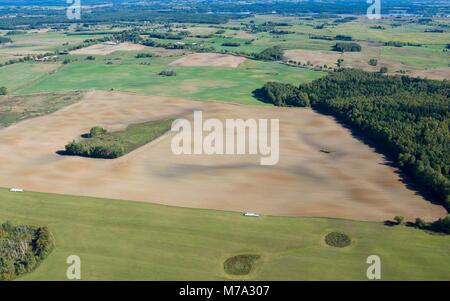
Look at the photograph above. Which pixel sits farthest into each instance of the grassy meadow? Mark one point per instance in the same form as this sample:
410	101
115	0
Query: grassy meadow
126	73
136	241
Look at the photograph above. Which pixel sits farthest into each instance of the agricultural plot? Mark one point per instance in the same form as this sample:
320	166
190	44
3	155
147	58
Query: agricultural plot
119	240
122	71
17	108
148	214
335	174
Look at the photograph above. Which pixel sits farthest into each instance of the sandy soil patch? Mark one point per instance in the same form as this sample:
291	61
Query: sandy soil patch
46	67
440	73
166	52
209	60
350	182
103	49
240	34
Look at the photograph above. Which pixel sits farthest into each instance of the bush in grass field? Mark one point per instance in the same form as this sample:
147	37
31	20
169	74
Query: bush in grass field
143	55
383	70
231	44
22	248
240	264
3	91
97	131
168	73
338	239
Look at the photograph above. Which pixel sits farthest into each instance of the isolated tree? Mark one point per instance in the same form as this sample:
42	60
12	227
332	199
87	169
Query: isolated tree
399	219
383	70
97	131
420	223
373	62
3	91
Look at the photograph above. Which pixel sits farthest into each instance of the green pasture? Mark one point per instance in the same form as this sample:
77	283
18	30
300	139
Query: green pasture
122	240
126	73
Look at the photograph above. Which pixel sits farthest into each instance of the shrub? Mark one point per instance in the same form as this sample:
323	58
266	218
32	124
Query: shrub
143	55
168	73
240	264
231	44
97	131
337	239
373	62
399	219
420	223
383	70
3	91
441	225
90	58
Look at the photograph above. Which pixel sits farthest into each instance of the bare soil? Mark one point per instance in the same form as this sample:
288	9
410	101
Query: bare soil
349	180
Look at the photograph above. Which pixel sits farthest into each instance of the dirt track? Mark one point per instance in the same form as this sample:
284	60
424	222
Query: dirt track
350	182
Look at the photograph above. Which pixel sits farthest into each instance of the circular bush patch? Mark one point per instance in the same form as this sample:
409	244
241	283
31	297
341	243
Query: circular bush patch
22	248
338	239
240	264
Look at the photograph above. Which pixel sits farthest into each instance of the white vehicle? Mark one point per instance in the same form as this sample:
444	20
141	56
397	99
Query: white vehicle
251	214
16	190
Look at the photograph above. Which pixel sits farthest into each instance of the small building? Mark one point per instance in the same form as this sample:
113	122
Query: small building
251	214
16	190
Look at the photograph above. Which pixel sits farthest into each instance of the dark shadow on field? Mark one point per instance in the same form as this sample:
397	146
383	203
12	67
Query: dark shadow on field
62	153
388	158
259	95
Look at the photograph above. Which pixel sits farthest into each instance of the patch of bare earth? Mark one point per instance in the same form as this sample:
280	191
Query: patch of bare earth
439	73
350	181
209	60
105	49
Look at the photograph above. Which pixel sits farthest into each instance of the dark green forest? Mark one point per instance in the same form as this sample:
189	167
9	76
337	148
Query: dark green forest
406	118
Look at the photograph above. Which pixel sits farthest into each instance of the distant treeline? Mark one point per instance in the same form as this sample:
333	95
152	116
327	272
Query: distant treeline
407	118
112	15
401	44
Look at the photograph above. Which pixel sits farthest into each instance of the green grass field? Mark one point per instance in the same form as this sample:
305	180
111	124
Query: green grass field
135	241
126	73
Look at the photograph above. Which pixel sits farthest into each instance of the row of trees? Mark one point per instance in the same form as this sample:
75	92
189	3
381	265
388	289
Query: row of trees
407	118
347	47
